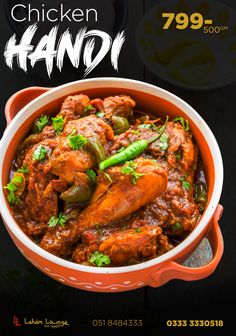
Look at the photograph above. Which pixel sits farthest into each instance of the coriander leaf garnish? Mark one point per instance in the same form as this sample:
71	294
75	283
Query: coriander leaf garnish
40	153
129	169
164	138
185	184
12	187
91	174
42	122
99	259
24	169
184	123
58	123
76	141
89	108
100	114
60	220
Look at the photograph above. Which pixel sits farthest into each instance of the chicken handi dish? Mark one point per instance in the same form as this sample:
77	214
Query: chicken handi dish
103	184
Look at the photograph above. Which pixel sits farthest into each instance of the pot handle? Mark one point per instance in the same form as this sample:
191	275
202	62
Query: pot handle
20	99
174	270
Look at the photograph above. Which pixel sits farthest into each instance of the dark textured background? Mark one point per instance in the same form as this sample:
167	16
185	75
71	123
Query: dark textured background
26	292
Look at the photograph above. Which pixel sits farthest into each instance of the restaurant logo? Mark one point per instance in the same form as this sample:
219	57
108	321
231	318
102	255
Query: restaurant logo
45	322
16	321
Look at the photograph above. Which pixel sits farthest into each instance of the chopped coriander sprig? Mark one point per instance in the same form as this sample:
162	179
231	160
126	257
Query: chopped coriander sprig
89	108
24	169
76	141
100	114
185	184
42	122
40	153
129	169
91	174
58	124
60	220
12	187
164	138
99	259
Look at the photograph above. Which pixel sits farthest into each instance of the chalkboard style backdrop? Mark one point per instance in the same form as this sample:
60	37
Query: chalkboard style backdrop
196	66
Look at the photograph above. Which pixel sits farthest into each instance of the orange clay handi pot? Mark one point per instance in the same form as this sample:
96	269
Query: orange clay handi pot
26	105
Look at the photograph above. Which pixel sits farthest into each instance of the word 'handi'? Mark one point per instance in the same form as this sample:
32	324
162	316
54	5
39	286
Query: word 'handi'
49	50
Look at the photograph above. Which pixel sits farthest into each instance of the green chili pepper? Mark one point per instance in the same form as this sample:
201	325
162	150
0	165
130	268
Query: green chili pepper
127	154
130	152
120	124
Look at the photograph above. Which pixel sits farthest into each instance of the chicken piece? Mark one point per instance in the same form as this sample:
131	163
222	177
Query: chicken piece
111	201
59	185
91	127
90	243
137	243
121	105
66	162
174	210
181	149
131	246
97	103
35	229
123	248
74	106
121	197
41	201
60	240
